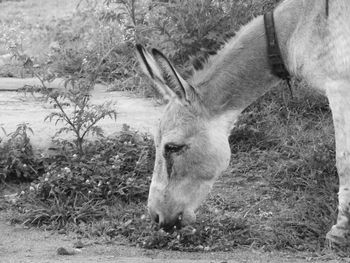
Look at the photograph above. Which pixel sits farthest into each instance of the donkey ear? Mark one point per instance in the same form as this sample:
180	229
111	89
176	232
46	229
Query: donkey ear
167	79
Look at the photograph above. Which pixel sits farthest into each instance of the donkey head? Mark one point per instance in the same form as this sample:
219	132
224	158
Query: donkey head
191	146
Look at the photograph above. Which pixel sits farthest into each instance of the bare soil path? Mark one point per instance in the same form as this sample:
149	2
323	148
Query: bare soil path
18	244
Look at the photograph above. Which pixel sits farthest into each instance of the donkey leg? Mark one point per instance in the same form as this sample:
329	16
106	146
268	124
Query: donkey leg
339	98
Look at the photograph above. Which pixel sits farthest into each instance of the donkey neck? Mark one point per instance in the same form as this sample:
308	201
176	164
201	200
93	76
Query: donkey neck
240	72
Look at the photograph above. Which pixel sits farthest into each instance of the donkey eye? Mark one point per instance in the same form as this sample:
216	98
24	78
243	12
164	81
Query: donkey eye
173	148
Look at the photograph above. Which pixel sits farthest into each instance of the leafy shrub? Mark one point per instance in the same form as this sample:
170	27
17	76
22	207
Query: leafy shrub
84	118
182	29
17	158
79	189
81	76
86	39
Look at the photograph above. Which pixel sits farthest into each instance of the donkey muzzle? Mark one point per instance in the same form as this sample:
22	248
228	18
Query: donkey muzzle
168	224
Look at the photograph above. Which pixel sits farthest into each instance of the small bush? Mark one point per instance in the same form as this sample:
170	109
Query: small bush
78	189
17	159
81	73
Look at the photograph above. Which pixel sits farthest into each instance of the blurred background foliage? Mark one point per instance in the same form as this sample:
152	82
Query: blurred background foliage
109	30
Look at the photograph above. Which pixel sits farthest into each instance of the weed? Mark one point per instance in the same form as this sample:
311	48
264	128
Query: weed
80	189
84	118
17	158
80	82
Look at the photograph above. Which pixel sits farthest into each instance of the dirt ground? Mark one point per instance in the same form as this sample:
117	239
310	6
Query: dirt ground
19	244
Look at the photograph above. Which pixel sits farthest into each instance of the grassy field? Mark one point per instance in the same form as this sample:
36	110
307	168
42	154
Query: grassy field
278	193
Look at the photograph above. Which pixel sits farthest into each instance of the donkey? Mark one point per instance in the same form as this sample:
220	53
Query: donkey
192	147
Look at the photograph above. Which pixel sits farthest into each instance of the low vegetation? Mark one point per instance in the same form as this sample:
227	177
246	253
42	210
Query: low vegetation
17	158
278	193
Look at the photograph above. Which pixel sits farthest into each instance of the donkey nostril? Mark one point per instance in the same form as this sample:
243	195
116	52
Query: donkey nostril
154	215
156	219
178	222
173	224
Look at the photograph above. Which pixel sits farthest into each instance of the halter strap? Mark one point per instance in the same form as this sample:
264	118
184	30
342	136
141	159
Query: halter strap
276	63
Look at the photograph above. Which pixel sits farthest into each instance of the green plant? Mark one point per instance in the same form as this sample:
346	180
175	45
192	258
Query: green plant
17	158
84	117
82	121
182	29
113	172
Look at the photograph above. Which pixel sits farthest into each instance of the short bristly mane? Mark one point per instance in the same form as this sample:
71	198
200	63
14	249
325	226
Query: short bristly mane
215	62
224	81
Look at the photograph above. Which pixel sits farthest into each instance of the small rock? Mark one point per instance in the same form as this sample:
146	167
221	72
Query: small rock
78	244
66	252
148	253
61	232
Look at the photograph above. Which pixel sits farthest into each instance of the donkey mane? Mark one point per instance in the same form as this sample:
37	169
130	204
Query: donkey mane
213	64
223	81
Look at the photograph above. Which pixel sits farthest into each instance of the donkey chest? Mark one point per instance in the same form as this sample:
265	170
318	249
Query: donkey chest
337	47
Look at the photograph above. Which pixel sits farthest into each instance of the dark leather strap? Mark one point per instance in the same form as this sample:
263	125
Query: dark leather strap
273	50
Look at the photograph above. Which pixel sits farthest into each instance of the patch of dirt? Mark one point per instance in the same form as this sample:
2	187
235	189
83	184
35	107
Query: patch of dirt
19	244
